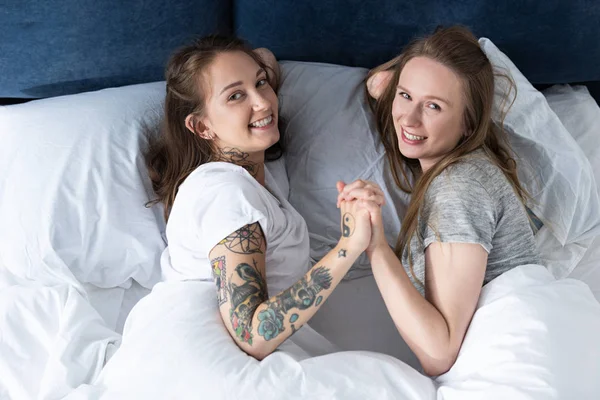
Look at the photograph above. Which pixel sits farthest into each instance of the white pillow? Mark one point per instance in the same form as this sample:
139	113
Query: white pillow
73	187
580	114
553	167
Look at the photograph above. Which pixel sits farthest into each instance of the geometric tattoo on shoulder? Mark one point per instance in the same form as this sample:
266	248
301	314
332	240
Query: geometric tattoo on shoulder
219	274
246	240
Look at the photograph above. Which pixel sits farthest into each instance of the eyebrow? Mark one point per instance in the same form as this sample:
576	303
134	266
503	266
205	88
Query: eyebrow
234	84
428	97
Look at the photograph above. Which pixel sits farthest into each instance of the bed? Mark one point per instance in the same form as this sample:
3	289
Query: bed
82	312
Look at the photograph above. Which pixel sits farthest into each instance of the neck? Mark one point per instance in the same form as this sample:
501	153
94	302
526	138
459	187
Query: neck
253	163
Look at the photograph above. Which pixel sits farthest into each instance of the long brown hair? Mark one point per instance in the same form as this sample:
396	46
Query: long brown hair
177	151
457	49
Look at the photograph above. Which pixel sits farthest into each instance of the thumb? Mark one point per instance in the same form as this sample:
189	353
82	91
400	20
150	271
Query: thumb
340	185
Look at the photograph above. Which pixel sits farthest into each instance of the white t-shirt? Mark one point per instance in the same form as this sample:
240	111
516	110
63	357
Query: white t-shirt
217	199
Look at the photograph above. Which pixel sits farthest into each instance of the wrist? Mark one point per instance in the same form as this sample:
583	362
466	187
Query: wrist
377	249
345	248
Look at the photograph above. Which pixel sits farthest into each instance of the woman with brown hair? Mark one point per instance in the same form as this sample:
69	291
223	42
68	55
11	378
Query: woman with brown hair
466	222
228	221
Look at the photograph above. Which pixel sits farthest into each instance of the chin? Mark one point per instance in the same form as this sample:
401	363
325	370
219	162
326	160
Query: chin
274	138
410	153
269	141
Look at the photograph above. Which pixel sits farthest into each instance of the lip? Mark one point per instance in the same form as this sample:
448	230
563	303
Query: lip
270	124
409	141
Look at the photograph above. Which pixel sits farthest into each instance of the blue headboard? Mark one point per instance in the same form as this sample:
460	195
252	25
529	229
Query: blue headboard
54	47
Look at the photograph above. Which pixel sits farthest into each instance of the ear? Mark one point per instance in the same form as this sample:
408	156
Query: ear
194	125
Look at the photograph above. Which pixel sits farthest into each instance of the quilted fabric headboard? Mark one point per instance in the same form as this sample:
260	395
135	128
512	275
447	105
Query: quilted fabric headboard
55	47
550	41
58	47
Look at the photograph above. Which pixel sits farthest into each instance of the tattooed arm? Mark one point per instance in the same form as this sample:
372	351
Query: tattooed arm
259	323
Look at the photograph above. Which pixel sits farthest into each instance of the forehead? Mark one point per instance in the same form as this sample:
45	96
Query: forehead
428	77
230	67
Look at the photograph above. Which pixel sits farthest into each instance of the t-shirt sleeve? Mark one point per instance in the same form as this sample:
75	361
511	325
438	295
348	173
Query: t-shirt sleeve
227	203
458	209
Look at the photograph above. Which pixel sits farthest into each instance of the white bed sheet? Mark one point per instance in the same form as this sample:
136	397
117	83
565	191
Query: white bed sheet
51	339
520	346
131	297
115	304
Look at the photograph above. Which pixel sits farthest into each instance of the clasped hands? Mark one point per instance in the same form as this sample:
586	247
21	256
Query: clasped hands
360	205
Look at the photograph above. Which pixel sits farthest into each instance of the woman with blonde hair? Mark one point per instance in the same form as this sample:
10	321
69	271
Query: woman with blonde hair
466	222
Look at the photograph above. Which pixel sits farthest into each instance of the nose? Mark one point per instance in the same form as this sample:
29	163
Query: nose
260	101
411	115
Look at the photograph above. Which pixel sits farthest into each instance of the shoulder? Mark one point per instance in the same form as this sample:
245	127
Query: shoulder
469	187
221	186
474	174
219	174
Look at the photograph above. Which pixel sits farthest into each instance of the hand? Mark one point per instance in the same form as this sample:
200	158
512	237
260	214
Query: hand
355	226
360	190
269	59
377	83
369	196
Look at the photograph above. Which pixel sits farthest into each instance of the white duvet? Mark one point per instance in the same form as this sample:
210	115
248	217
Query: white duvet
532	337
51	339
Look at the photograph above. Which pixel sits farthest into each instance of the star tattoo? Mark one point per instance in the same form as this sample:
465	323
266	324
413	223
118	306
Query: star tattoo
342	253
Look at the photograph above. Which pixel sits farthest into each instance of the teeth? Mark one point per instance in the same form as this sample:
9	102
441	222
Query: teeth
262	122
413	137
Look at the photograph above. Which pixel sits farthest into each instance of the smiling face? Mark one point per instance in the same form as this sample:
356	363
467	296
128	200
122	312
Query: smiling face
241	108
428	111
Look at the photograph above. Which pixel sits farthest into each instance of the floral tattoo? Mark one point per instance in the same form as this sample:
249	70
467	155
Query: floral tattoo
301	295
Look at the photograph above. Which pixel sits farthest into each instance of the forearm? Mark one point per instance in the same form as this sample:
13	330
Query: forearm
281	315
421	325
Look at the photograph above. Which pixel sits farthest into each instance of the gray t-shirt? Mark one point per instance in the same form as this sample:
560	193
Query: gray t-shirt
472	201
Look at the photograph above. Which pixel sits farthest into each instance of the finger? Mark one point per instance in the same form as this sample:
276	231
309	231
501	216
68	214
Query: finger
339	185
366	194
359	193
359	183
340	198
374	186
378	192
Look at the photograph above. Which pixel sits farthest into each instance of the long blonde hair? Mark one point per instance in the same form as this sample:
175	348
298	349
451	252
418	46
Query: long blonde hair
178	152
457	49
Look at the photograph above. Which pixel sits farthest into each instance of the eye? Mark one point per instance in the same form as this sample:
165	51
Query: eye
405	95
261	82
235	96
434	106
